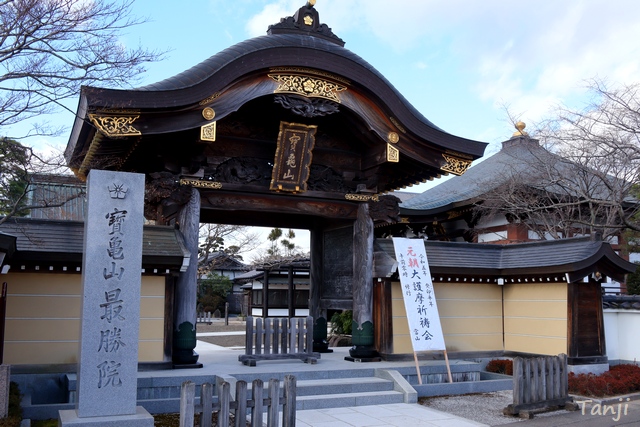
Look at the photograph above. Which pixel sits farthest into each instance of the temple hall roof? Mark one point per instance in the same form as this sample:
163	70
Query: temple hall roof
542	261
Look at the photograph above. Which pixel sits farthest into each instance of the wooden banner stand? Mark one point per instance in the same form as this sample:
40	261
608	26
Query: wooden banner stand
446	361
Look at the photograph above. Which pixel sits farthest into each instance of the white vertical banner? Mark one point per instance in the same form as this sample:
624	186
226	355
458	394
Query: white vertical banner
419	297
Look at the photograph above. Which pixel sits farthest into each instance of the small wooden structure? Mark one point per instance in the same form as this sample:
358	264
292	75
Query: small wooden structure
279	338
539	383
238	406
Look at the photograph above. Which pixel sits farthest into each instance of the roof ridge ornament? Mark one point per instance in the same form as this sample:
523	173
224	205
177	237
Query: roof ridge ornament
520	129
305	21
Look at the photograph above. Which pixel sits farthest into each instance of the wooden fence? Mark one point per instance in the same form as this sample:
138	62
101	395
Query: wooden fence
279	338
256	405
203	317
539	383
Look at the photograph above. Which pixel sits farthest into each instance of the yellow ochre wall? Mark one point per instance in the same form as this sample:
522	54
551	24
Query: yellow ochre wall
470	314
535	317
43	318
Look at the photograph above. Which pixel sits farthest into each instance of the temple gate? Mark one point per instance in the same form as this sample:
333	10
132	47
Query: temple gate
285	130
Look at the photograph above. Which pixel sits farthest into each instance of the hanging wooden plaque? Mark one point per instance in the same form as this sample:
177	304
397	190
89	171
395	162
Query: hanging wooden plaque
293	157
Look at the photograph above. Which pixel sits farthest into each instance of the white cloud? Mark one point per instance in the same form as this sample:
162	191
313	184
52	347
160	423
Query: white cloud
270	14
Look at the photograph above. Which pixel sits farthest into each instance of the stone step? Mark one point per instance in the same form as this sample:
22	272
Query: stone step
307	375
342	385
336	385
341	400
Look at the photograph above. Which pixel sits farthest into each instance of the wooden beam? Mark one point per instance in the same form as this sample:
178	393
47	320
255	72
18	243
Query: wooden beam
279	203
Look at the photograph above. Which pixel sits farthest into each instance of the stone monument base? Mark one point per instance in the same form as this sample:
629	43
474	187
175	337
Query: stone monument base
141	418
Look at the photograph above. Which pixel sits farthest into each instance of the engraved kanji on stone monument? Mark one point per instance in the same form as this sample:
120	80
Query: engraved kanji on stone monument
108	365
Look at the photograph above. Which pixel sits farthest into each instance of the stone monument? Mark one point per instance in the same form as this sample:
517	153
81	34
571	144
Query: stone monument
111	278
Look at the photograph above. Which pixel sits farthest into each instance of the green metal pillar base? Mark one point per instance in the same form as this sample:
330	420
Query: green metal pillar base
363	343
184	341
320	343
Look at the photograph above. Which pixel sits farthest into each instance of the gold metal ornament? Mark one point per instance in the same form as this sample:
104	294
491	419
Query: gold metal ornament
211	185
115	126
209	99
393	154
455	165
393	137
208	113
362	197
309	72
520	129
307	86
208	132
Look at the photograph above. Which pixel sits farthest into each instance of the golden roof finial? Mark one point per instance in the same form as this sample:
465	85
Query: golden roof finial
311	3
520	126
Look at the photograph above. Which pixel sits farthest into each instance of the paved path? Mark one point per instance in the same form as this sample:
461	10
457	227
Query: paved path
221	359
398	414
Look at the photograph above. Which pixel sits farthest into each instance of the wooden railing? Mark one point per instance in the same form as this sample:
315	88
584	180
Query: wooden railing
539	383
279	338
242	406
203	317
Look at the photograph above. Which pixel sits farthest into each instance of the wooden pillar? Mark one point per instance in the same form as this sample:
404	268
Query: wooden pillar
184	339
315	272
382	316
362	324
585	335
320	343
265	294
291	293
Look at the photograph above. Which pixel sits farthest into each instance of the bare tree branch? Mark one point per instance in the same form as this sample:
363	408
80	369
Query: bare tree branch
586	182
48	49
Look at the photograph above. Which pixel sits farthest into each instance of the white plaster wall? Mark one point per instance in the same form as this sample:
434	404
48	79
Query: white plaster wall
280	312
495	221
492	236
621	328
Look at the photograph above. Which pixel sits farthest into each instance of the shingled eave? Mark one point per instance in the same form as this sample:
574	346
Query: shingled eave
60	243
577	257
417	213
258	55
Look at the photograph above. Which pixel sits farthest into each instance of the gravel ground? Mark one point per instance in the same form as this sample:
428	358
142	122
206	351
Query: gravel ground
217	325
482	407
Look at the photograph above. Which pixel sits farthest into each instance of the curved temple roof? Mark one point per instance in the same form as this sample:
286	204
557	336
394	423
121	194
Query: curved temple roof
292	45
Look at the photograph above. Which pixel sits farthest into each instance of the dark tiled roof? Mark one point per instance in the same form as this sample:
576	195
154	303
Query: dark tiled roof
514	159
577	257
222	261
285	50
520	158
275	50
626	302
66	190
40	241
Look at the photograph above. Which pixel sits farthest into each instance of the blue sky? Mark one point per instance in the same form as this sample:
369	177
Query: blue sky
458	62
